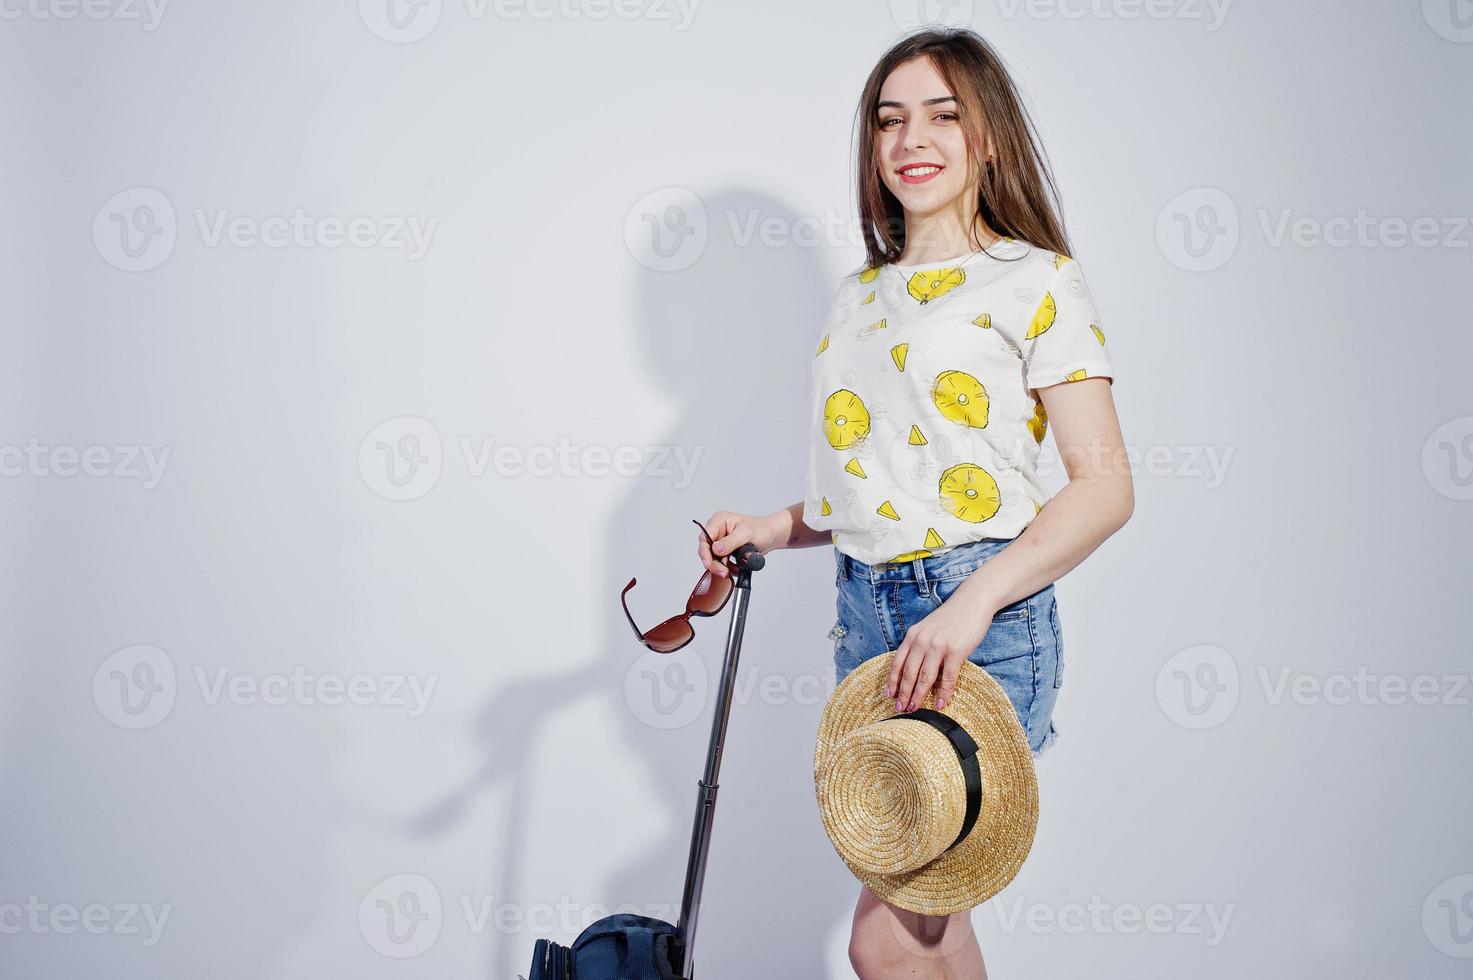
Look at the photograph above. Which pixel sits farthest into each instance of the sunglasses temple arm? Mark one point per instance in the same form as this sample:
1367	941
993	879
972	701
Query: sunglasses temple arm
627	615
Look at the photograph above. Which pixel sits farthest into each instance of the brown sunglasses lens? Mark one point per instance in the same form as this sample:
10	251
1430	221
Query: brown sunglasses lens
710	592
669	635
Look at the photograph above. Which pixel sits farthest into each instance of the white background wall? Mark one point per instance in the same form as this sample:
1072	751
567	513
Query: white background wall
1301	405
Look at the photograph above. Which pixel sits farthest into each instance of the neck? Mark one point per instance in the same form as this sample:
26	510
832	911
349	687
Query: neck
942	235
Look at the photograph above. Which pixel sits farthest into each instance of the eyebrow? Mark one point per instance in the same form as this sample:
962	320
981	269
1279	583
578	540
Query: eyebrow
901	105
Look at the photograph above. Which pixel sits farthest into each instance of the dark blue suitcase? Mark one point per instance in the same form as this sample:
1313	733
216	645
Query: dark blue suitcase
628	946
637	947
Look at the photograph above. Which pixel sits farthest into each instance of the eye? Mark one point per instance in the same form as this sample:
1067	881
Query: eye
886	122
947	115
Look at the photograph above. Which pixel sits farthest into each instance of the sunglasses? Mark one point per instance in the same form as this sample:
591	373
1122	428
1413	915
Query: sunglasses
706	599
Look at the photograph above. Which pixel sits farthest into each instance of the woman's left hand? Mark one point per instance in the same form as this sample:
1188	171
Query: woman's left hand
932	653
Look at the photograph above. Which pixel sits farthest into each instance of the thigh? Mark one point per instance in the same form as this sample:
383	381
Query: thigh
888	933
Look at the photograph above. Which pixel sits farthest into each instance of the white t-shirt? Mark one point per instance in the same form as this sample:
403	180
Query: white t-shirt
924	429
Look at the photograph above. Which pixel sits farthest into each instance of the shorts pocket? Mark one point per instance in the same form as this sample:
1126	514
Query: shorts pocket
943	588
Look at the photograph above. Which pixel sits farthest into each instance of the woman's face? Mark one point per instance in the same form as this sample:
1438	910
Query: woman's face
918	132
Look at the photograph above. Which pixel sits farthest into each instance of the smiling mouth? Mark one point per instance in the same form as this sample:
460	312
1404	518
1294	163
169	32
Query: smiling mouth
919	175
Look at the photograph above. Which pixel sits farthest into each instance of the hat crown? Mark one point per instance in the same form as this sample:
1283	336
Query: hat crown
893	796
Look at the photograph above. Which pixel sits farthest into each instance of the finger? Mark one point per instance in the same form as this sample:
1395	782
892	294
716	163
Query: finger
738	536
925	677
906	685
951	670
892	683
715	525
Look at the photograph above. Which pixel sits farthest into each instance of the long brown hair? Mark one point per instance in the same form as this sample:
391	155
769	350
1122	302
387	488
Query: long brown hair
1015	196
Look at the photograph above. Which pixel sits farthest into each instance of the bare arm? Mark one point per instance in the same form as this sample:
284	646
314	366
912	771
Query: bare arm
1096	502
800	535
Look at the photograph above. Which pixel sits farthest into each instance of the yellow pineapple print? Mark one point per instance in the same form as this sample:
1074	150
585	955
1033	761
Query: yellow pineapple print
854	468
912	555
1099	334
1038	425
887	509
868	299
917	437
845	419
868	275
897	354
825	510
1076	375
1044	318
985	321
969	492
929	284
1059	259
961	398
823	345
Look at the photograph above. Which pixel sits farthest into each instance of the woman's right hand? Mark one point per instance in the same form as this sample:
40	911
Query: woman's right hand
731	530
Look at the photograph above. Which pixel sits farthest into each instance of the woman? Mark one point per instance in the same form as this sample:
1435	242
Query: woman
968	334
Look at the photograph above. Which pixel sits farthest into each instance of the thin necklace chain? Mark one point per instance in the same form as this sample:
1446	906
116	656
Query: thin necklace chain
905	280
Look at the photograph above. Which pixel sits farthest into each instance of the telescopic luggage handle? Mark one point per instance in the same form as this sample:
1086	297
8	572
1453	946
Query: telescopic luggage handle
748	560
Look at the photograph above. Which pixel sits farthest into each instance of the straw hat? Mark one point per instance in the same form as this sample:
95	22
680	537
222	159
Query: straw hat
933	810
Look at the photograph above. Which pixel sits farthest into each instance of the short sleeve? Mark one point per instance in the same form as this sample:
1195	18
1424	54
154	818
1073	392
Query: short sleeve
1064	340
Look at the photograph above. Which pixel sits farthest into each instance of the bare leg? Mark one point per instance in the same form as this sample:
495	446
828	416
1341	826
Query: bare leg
889	943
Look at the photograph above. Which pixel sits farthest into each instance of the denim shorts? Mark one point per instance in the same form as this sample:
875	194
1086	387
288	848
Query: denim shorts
1022	650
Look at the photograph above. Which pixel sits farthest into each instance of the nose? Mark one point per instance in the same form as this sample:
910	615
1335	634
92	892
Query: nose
914	135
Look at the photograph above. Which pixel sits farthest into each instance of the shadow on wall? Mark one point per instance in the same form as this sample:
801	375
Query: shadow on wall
730	338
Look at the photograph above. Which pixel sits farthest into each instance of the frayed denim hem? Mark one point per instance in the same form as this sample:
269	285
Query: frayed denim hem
1048	741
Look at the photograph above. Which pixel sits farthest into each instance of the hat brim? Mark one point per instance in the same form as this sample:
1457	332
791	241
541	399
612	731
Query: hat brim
992	853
